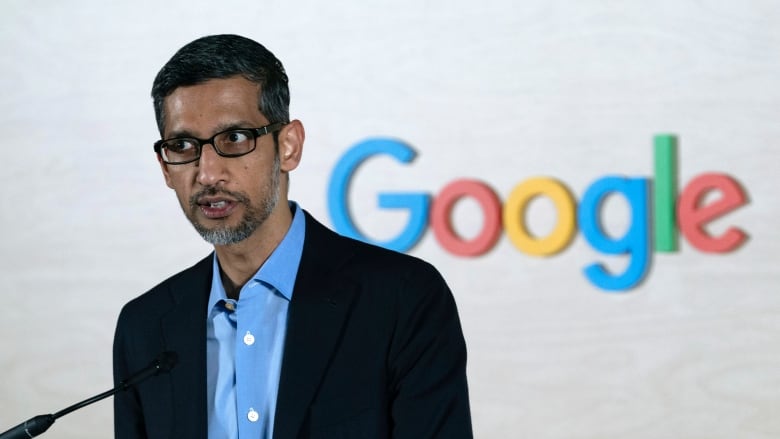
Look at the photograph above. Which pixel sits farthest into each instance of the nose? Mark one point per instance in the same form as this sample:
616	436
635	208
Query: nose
211	166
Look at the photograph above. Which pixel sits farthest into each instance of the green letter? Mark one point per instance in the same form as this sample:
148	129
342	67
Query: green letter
665	192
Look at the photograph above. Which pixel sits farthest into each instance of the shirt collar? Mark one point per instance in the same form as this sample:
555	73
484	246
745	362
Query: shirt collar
281	267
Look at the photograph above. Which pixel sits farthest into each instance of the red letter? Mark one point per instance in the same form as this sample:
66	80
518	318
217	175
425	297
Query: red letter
693	215
441	217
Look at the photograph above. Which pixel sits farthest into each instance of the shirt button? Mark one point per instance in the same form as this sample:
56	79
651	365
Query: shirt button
249	339
253	416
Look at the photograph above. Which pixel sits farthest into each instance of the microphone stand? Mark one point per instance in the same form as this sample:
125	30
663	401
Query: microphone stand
37	425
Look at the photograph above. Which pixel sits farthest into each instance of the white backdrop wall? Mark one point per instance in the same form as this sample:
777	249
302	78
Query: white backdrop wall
498	90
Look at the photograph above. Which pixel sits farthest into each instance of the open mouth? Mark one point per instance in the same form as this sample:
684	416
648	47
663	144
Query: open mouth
217	204
216	208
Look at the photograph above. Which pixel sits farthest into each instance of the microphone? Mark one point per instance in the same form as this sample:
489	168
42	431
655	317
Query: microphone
37	425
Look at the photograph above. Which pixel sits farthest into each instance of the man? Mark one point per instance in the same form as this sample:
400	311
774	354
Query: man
287	330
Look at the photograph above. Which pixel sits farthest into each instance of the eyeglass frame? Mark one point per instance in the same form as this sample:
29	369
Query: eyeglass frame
256	132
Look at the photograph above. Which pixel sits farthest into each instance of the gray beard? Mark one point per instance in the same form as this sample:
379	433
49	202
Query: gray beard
253	217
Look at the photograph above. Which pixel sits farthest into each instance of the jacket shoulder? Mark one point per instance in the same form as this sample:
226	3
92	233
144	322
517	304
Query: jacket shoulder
162	295
347	255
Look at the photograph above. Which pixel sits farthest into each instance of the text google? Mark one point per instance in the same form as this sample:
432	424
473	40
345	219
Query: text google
688	212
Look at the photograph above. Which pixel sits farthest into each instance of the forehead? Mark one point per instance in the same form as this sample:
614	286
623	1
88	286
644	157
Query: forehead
200	109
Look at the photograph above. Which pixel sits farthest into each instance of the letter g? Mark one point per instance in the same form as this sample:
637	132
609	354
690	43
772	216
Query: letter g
417	203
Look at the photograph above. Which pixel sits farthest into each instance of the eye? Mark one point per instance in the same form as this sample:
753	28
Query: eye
236	136
179	145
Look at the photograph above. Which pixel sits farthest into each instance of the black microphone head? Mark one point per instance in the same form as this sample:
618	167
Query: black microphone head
166	360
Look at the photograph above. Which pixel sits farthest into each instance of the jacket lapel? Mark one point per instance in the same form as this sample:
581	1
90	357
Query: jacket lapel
318	310
184	332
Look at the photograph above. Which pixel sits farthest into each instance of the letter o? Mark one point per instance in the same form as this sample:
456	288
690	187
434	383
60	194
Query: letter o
514	216
441	217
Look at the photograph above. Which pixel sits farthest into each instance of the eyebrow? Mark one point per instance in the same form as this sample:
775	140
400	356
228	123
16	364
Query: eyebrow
240	125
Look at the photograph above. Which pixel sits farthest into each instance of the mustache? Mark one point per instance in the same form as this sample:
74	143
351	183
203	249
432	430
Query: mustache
211	191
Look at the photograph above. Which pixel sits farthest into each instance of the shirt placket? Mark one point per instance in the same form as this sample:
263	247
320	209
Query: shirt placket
250	369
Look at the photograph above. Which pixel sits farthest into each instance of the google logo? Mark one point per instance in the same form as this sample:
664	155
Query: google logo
659	212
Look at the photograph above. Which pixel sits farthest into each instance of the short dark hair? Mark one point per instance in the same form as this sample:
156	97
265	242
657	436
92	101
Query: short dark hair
223	56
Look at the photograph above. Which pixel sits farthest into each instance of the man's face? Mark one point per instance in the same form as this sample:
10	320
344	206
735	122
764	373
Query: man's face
225	198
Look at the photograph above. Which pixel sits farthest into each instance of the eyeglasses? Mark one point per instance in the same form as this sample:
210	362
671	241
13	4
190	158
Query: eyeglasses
228	143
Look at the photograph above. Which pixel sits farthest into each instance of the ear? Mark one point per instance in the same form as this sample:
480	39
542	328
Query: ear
165	171
291	139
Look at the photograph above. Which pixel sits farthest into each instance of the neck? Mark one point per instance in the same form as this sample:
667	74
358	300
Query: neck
240	261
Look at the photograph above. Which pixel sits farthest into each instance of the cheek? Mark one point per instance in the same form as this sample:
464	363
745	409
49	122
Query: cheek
169	181
179	182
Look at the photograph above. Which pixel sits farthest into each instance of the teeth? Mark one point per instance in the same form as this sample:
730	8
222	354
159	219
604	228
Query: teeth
217	205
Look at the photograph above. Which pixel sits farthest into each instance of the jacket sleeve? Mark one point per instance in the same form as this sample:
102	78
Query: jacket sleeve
428	362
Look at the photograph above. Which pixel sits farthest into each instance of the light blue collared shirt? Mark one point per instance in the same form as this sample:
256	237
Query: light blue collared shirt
245	342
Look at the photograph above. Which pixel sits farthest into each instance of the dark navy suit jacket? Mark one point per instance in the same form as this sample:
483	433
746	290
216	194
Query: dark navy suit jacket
374	349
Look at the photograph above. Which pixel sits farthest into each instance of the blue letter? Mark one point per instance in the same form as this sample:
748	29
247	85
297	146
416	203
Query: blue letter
634	242
417	202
